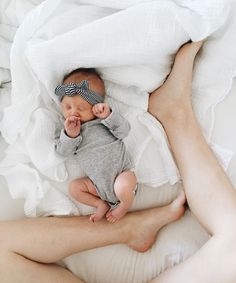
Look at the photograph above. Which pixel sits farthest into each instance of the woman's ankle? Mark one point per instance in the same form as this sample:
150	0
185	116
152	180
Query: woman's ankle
179	116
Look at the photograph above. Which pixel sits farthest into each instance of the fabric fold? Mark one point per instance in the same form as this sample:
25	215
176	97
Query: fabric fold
133	57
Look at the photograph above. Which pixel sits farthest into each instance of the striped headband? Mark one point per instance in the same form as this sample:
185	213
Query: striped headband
82	89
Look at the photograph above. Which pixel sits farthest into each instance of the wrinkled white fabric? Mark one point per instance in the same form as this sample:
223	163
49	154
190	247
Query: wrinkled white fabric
30	167
133	56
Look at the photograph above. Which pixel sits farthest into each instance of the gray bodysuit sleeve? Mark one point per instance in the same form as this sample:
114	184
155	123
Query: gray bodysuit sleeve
117	125
65	145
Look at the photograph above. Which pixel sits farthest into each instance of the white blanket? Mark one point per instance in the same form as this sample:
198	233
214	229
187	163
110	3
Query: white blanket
132	44
26	170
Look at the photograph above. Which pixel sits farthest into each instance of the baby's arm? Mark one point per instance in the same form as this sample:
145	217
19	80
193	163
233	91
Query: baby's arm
117	125
70	138
65	145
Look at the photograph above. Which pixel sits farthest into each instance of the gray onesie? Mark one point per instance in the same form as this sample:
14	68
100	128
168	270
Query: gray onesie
101	152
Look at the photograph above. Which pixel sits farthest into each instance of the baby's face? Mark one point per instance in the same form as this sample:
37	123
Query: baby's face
77	106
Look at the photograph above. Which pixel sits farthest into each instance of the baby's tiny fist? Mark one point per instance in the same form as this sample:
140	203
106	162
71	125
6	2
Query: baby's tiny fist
106	110
72	126
101	110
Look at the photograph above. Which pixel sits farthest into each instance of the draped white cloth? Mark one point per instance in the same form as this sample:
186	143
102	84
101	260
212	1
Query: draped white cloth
132	43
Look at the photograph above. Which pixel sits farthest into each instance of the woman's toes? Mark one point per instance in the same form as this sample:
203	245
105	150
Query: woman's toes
189	51
198	44
108	214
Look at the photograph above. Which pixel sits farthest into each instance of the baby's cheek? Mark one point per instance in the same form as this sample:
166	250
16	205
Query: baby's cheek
65	114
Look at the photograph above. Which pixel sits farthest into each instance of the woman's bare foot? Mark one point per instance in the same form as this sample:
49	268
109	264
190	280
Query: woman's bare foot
143	226
174	95
102	209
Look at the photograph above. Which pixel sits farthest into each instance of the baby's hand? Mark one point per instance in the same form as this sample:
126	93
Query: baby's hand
101	110
72	126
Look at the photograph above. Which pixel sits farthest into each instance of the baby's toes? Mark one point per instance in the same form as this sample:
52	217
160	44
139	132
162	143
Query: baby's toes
111	219
108	214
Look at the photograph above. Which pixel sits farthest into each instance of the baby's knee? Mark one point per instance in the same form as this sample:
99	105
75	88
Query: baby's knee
126	179
125	184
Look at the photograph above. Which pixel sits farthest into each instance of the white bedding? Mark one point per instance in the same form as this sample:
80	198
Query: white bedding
178	240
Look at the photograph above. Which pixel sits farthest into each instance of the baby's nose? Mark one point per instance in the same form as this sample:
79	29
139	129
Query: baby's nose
75	111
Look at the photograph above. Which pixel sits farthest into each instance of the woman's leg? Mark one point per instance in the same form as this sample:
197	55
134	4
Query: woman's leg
28	248
210	194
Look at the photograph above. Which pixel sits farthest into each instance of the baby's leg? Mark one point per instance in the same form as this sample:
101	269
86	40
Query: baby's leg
124	187
83	190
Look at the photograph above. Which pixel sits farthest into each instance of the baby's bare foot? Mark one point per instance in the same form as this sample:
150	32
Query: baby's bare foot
174	95
102	209
144	225
117	213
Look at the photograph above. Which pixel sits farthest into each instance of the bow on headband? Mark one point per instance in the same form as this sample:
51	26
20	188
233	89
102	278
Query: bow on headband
82	89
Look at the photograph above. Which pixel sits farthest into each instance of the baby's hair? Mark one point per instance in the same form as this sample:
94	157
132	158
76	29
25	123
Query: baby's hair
90	74
86	71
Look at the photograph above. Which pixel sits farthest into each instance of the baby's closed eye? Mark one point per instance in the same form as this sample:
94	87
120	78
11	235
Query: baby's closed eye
83	107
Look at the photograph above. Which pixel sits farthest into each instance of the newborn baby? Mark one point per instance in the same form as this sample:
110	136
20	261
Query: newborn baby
94	132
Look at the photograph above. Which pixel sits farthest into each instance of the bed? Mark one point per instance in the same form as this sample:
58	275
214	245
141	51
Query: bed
214	101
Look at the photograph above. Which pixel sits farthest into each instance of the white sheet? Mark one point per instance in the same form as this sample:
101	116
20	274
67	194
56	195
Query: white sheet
128	72
181	239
